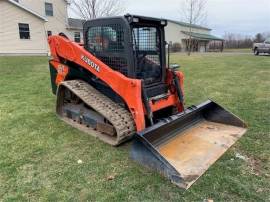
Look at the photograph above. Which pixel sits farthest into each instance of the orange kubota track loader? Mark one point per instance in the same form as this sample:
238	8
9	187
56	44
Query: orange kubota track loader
117	86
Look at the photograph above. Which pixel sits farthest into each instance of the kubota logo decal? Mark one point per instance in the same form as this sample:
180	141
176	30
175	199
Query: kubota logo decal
90	63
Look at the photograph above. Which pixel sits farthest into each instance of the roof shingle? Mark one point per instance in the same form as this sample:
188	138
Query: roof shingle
188	25
202	36
74	23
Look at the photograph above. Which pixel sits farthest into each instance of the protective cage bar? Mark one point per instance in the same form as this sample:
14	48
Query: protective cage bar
182	147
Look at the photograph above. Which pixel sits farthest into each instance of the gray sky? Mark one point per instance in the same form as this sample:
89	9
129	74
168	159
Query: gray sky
246	17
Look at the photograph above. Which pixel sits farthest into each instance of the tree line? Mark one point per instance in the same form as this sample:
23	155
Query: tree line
239	41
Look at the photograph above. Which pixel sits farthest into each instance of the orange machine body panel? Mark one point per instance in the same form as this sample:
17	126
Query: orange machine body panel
127	88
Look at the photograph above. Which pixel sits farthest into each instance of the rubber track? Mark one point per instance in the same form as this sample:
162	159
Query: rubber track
118	116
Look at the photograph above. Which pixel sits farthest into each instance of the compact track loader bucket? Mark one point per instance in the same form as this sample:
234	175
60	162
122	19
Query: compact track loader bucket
185	145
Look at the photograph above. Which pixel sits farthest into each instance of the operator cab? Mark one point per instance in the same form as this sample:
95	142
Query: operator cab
132	45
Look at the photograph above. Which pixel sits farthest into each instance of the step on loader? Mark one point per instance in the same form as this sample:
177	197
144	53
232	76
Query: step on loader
119	85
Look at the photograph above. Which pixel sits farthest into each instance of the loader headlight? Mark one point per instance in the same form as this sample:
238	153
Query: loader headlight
163	22
135	20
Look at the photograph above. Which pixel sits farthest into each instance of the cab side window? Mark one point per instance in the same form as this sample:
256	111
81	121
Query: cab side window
94	40
108	38
106	42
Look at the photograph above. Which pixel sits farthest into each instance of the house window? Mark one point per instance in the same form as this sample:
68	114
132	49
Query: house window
48	9
49	33
77	37
24	31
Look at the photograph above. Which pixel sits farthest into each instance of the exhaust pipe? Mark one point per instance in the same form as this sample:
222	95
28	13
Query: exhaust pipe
183	146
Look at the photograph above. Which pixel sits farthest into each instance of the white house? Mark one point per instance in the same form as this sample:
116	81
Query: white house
26	24
180	32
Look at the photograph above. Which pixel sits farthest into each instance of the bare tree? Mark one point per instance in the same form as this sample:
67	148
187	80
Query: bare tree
259	38
90	9
193	12
233	40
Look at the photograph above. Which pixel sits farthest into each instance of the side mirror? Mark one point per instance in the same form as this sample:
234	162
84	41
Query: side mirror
174	66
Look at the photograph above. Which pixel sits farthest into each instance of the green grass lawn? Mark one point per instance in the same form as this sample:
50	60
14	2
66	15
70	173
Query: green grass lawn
39	153
238	50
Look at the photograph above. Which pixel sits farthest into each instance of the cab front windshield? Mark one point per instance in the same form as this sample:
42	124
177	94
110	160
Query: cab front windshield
146	47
